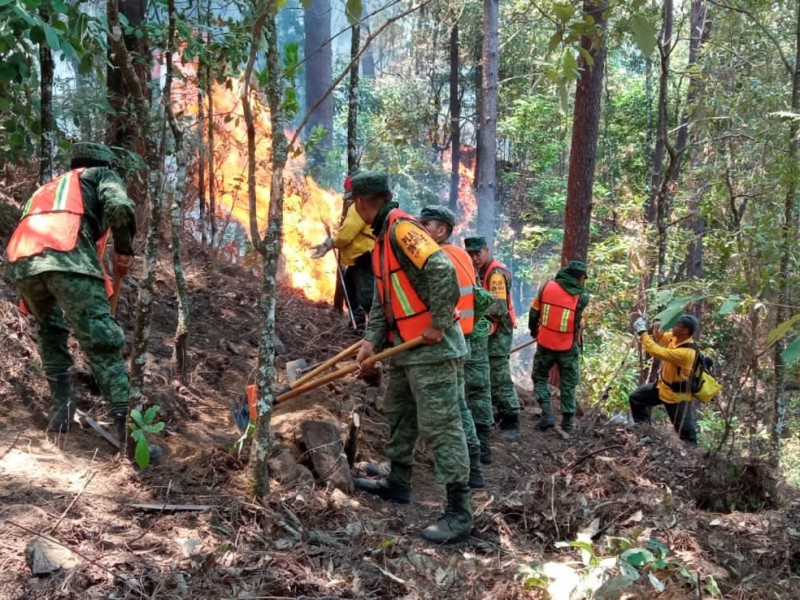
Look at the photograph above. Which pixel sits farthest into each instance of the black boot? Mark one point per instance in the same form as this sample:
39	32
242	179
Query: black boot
394	487
63	402
509	428
120	416
485	438
547	421
476	480
567	422
456	522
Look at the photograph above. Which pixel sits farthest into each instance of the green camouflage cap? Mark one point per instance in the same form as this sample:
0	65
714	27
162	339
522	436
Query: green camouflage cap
578	266
370	182
87	150
439	213
475	244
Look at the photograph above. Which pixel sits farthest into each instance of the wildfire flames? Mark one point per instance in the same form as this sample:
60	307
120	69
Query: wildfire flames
309	211
466	192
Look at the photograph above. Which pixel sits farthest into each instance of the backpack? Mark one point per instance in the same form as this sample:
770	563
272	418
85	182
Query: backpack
700	383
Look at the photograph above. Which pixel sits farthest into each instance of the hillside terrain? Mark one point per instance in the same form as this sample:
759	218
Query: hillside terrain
201	536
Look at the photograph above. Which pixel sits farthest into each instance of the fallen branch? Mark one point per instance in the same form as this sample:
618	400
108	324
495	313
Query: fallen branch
578	461
11	447
71	504
174	507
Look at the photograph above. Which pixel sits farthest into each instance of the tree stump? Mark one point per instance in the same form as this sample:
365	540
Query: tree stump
323	441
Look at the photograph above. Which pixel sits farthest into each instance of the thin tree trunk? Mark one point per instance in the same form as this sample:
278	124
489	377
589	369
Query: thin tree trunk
659	178
352	102
455	118
178	184
486	189
583	147
201	161
212	175
46	109
788	239
269	247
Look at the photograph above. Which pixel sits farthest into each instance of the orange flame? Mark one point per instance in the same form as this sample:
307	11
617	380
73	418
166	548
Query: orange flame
307	210
467	203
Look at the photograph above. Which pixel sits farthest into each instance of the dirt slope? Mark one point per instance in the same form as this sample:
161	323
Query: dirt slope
309	540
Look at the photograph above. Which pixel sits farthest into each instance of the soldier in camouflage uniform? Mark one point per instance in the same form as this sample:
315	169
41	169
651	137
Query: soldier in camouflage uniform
53	259
416	290
554	321
439	221
497	279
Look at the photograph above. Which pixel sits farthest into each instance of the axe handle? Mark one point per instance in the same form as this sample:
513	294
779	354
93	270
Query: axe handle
328	363
521	346
115	295
346	370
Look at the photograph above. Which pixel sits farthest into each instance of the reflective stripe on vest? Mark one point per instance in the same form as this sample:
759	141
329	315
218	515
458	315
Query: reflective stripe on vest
51	219
496	265
405	311
557	318
466	281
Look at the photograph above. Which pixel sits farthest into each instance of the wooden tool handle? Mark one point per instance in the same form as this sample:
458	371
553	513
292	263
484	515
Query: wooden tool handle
346	370
521	346
328	363
115	295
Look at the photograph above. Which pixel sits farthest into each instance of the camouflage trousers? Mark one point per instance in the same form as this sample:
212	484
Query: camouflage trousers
504	392
478	382
52	295
467	421
569	366
423	401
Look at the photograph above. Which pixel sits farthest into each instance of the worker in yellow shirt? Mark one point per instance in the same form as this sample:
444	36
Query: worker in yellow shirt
354	241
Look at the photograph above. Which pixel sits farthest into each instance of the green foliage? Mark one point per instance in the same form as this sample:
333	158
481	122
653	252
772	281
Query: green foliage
598	575
140	426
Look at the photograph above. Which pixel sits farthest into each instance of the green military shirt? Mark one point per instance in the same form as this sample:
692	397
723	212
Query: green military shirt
436	283
105	204
500	285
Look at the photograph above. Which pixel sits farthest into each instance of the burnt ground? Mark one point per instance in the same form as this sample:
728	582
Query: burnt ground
616	484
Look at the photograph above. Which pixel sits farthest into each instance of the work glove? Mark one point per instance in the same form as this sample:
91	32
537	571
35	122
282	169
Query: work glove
323	248
640	326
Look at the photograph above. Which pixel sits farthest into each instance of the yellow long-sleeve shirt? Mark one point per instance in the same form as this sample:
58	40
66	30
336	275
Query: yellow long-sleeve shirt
676	363
354	237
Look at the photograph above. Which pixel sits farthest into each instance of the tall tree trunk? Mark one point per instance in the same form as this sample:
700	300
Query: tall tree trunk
455	119
486	169
202	84
178	185
352	102
122	130
212	171
152	198
659	180
583	147
788	240
694	260
47	118
270	246
319	68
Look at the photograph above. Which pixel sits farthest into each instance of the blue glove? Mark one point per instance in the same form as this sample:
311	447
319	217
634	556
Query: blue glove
640	326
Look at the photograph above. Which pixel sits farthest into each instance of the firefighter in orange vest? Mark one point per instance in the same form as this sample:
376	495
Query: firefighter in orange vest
416	291
439	221
496	278
54	260
554	321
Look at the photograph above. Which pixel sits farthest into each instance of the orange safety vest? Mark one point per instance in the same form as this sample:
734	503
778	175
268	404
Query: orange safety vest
495	264
556	317
51	220
465	307
404	309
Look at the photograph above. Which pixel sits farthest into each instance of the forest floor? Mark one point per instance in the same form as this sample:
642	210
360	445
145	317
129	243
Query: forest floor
609	485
